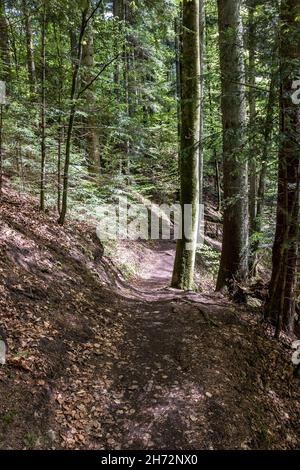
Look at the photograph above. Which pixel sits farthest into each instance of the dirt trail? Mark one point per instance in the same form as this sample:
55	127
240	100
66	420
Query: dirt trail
156	268
97	362
160	395
179	374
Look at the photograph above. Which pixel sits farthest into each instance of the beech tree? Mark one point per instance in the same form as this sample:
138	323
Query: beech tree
189	143
202	71
234	259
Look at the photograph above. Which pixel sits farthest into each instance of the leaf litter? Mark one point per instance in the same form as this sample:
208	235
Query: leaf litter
93	362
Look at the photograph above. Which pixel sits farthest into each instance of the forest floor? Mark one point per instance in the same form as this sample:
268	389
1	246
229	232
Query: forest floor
97	362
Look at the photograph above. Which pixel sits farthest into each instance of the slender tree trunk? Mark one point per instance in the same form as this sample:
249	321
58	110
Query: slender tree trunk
1	149
60	139
178	49
118	15
91	132
118	12
59	158
121	11
281	305
73	97
14	49
202	69
74	46
252	134
43	109
234	258
218	182
4	45
252	116
21	173
30	50
189	152
126	79
214	144
268	128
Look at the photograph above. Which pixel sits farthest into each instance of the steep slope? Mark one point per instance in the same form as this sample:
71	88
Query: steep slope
94	362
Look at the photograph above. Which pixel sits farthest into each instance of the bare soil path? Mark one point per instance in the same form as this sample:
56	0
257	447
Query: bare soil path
97	362
180	371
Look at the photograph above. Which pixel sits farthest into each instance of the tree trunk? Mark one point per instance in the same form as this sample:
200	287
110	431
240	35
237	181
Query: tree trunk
252	134
59	159
214	144
281	305
268	127
122	12
4	45
60	123
234	258
30	50
126	79
201	133
73	98
1	149
118	15
178	49
91	132
189	151
43	109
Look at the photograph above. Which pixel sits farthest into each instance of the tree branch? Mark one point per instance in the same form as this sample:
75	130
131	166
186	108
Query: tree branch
92	13
104	67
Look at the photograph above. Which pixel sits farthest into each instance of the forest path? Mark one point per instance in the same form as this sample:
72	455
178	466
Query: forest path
99	362
154	263
177	377
163	405
156	268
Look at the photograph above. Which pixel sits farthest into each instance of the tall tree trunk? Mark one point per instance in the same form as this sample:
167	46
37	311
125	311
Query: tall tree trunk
122	12
60	123
214	143
178	49
252	132
30	49
43	108
73	99
91	132
1	149
281	305
118	15
268	128
201	133
126	79
118	12
4	45
234	258
189	152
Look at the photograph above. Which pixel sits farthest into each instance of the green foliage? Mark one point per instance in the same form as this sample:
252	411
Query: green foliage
209	259
137	112
132	106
